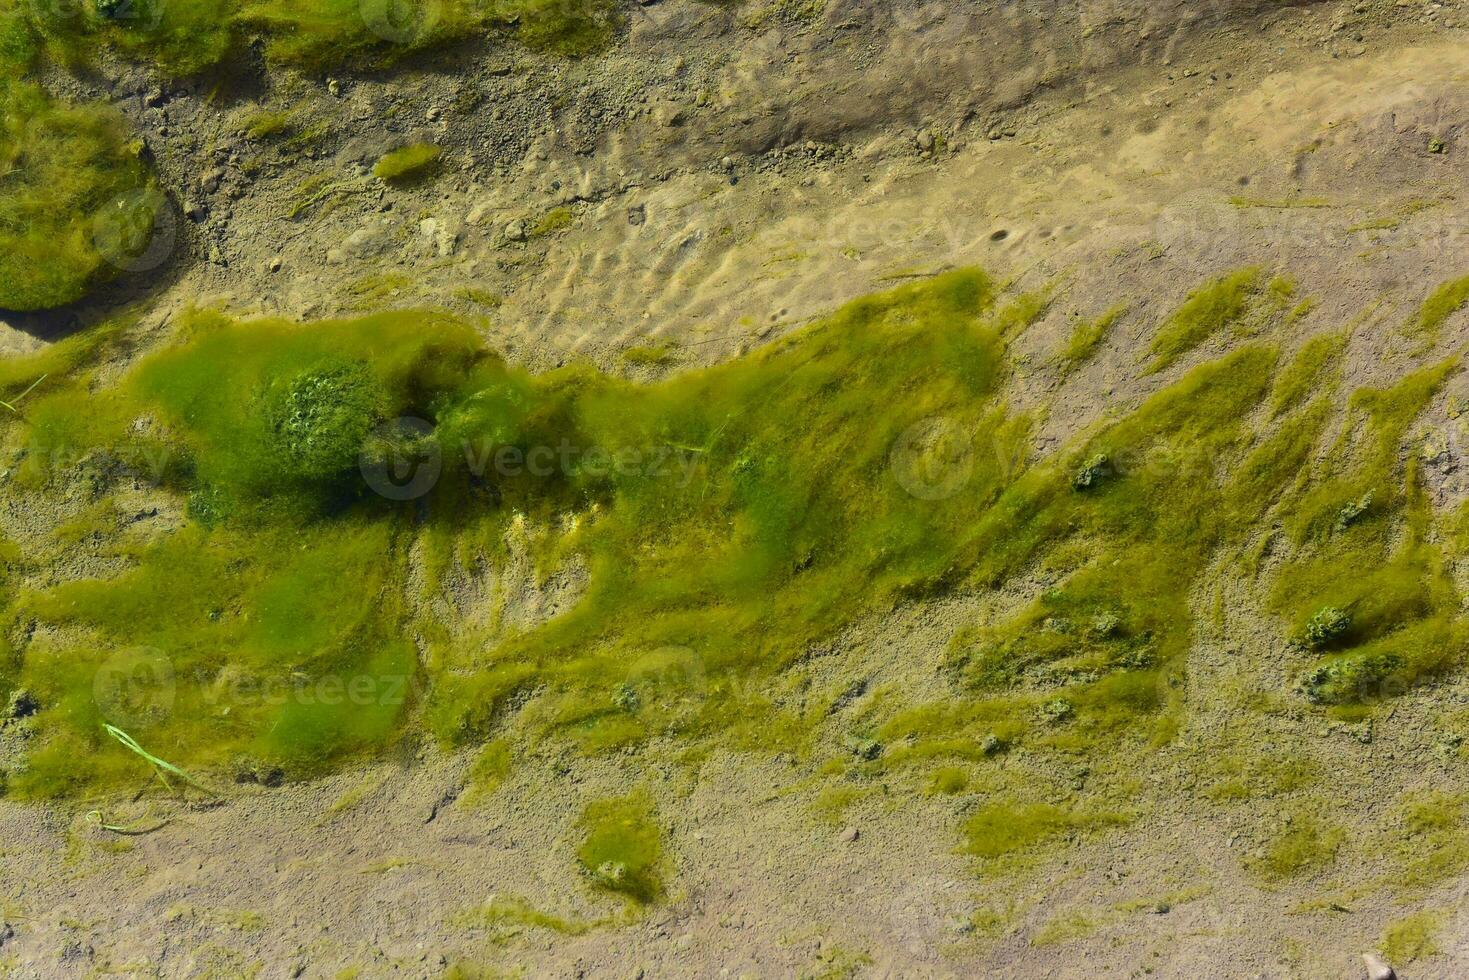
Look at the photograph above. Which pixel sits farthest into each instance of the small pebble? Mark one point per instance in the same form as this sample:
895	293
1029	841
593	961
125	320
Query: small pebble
1377	968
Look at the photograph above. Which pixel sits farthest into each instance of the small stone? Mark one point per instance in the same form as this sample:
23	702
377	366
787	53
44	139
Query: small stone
363	242
850	834
1377	968
209	180
727	163
925	140
154	97
637	214
433	113
515	230
333	86
275	264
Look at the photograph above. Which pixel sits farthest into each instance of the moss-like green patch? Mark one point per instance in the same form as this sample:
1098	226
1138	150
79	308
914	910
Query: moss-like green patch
504	916
649	355
622	850
1259	773
77	205
948	780
564	28
1206	311
1279	204
407	162
1001	830
1442	303
1380	606
726	522
491	768
1088	335
183	39
1306	844
266	125
1412	937
1313	371
1065	927
1432	842
554	220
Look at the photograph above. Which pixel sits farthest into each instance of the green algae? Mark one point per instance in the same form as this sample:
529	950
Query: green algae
77	205
1314	370
1412	937
1366	584
1206	311
622	848
1305	845
720	544
1442	303
1088	335
408	162
182	40
1002	830
504	916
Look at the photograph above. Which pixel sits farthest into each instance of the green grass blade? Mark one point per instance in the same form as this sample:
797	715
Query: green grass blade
17	400
159	765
